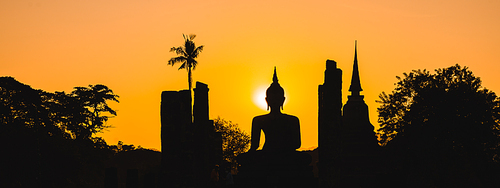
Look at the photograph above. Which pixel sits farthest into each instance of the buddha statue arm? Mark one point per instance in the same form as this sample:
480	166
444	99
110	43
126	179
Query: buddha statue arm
296	137
255	136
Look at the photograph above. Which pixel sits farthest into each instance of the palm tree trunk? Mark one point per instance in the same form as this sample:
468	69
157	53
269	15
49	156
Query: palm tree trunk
190	81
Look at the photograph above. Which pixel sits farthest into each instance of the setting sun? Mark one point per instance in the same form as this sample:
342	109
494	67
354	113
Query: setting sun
259	97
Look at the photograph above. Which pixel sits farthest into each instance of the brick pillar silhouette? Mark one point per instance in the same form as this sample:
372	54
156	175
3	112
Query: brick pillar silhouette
176	162
189	150
329	123
202	126
200	110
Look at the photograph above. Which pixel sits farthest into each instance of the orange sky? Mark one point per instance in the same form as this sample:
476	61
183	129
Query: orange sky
55	45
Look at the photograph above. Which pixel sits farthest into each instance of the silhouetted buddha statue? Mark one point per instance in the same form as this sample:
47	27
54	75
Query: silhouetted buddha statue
278	164
282	131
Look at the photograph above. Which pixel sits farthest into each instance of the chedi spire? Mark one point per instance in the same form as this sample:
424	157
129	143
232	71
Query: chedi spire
355	86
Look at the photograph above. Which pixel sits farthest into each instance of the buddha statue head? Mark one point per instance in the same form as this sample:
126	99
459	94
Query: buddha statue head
275	95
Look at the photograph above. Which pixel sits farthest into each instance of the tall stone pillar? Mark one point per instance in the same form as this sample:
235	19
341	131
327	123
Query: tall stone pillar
200	110
329	122
189	149
175	117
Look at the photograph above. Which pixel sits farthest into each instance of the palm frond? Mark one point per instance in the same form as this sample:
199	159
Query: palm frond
175	60
187	54
181	51
173	49
194	63
183	66
178	50
197	51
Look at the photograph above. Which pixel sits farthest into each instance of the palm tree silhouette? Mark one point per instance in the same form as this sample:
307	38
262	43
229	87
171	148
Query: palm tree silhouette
187	55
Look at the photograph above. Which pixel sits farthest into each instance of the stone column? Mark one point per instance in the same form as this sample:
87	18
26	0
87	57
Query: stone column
176	136
200	110
329	122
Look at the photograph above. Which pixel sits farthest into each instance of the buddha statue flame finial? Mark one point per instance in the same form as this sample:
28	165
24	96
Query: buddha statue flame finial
275	77
275	91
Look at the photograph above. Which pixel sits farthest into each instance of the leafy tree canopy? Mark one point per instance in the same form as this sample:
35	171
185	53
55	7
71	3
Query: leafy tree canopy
49	136
445	120
234	140
94	100
77	115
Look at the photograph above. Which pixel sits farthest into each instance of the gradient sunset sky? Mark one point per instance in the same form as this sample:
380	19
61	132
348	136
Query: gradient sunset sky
55	45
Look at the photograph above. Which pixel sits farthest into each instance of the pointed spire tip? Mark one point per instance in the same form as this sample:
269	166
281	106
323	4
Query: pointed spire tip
355	86
275	76
355	50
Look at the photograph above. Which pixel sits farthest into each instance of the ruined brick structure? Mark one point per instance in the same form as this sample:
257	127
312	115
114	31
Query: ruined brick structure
189	149
348	149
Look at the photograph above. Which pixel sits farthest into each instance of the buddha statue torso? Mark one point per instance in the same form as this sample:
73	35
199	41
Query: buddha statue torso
281	131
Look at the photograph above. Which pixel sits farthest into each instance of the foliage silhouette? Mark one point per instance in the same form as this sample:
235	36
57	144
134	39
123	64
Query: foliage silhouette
41	150
93	98
120	147
187	56
22	106
442	126
234	140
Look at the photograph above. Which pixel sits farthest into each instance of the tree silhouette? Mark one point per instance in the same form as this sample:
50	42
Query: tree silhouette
234	141
93	98
444	126
38	129
187	56
78	115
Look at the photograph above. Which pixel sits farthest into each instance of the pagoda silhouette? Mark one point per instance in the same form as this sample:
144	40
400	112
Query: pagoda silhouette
348	148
